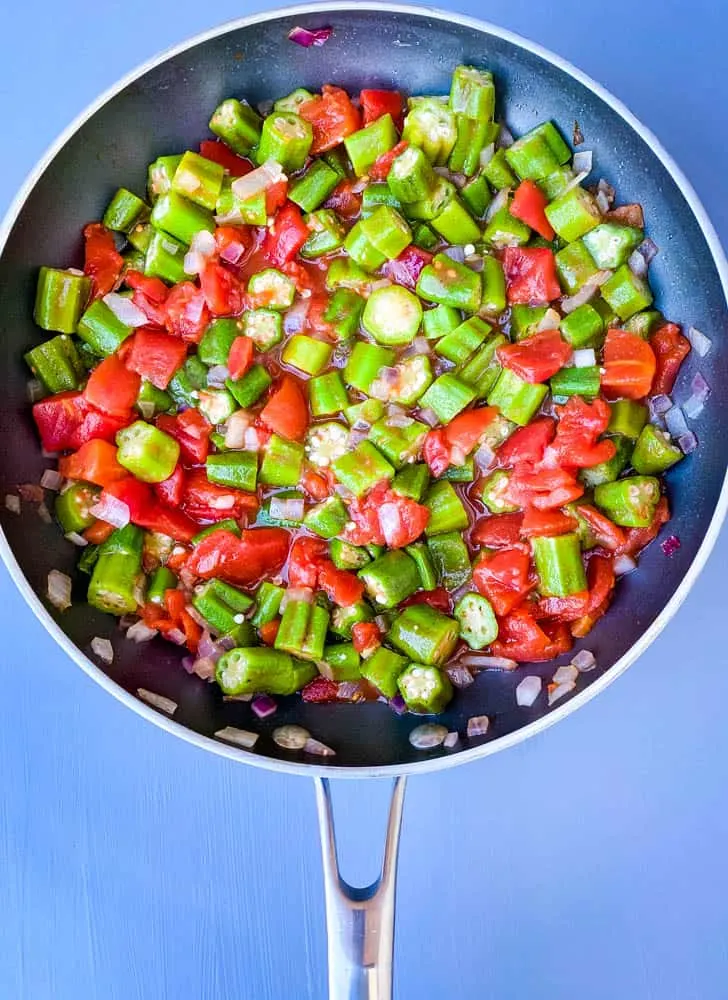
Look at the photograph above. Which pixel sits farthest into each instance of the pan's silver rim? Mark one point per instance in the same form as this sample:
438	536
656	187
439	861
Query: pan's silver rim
538	726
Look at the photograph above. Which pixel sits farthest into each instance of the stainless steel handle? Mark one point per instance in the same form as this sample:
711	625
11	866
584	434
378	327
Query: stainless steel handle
360	922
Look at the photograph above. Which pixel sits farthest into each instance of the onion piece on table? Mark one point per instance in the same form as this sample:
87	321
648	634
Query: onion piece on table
560	690
584	661
12	503
159	701
528	690
699	342
59	589
478	725
239	737
307	37
318	748
103	649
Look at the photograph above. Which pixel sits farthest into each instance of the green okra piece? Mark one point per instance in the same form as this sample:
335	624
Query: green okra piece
450	558
472	92
314	186
140	236
383	235
60	299
247	390
477	621
237	124
344	619
426	690
447	512
148	453
327	234
455	223
268	599
184	387
412	481
272	289
286	138
302	631
424	634
344	312
434	204
392	315
294	100
411	177
282	462
498	173
390	578
574	266
261	670
556	182
473	135
644	323
503	230
364	364
361	469
610	244
181	218
233	210
494	287
628	418
517	400
116	579
375	194
629	502
72	507
524	320
165	258
382	669
573	214
267	519
366	412
307	354
576	382
493	492
607	472
199	180
124	211
341	662
583	327
100	328
626	293
216	405
57	363
343	272
369	143
412	377
263	326
400	445
326	442
654	453
161	580
439	321
327	518
224	612
160	174
464	473
327	394
420	552
237	469
344	555
87	559
431	126
447	396
538	153
217	340
464	340
423	236
227	524
559	565
476	195
134	260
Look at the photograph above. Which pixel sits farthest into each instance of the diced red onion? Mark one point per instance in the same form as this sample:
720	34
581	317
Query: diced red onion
505	137
397	704
318	748
125	310
700	393
176	636
51	480
35	390
528	691
348	691
103	649
477	661
217	375
637	264
309	36
235	429
584	661
582	162
233	252
485	458
112	510
428	736
291	737
603	202
295	317
188	662
486	155
204	668
699	342
263	705
648	249
139	632
675	421
76	539
240	737
500	201
258	180
587	291
429	417
207	647
670	545
286	510
304	594
31	492
420	345
577	136
560	690
165	705
478	725
44	514
356	437
584	358
549	321
565	674
399	420
59	589
456	253
12	503
606	188
660	404
624	564
687	443
451	740
460	675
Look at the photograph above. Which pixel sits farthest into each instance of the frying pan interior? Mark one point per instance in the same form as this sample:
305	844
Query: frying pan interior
165	110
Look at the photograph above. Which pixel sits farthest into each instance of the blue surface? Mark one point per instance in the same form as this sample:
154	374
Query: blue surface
586	863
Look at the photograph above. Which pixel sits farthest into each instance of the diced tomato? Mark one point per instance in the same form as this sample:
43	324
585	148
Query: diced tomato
149	512
232	243
406	269
339	585
670	349
521	638
366	637
629	365
206	501
240	357
111	387
528	205
98	532
606	532
332	117
498	531
67	421
542	488
320	691
94	462
171	490
259	552
176	606
286	412
155	355
191	430
344	200
638	538
437	598
102	262
600	581
379	170
536	358
450	445
580	425
401	520
305	560
222	291
316	484
527	444
268	631
504	577
546	522
286	236
153	288
376	103
436	451
530	275
218	152
185	312
275	197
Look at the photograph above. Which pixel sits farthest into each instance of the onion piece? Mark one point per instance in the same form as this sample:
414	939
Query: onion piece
624	564
675	421
699	342
44	514
263	705
309	36
687	443
217	375
478	725
397	704
348	691
456	253
235	429
460	676
429	417
146	408
577	136
648	249
76	539
584	661
258	180
286	510
584	358
318	748
51	480
505	136
565	674
35	390
485	458
111	510
660	404
295	317
637	264
239	737
165	705
670	545
575	180
204	668
125	310
291	737
12	503
477	661
428	736
603	202
528	690
486	155
582	162
500	201
550	321
176	636
700	393
59	589
139	632
587	291
560	690
103	649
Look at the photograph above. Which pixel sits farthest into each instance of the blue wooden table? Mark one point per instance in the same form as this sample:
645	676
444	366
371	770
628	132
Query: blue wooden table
587	864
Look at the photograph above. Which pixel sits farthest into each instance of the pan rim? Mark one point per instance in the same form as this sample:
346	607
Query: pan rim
209	743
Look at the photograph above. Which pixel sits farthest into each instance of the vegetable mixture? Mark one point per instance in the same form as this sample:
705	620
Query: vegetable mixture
360	391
